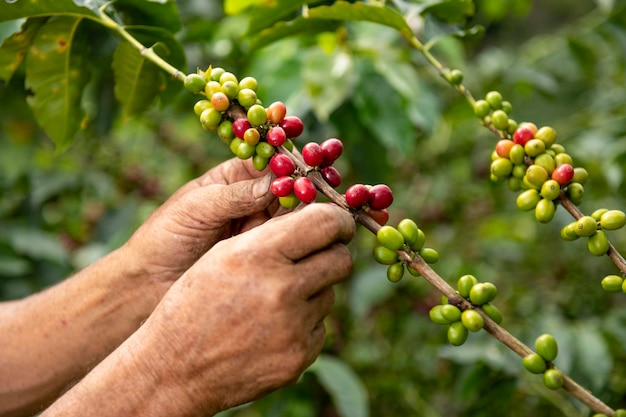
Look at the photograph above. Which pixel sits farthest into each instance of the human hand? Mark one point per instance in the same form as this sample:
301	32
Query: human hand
247	318
226	200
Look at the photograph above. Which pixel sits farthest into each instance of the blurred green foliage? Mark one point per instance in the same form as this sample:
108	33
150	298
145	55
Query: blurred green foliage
559	62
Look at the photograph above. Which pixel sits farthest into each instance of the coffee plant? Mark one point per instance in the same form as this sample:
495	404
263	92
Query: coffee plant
49	44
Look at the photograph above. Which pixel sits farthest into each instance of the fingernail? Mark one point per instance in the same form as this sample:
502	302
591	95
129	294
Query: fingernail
262	186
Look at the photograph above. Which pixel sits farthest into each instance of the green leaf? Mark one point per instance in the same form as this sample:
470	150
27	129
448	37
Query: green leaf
55	73
15	47
274	11
232	7
282	30
344	386
451	11
10	10
137	80
362	12
163	14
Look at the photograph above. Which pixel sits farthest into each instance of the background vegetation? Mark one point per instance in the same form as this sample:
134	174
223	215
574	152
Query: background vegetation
560	62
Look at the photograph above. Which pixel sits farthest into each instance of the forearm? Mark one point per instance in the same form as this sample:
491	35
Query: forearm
61	333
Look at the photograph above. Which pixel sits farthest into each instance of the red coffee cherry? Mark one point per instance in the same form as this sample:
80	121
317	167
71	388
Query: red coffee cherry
305	190
332	176
281	165
332	148
522	135
276	112
503	147
293	126
282	186
563	174
380	216
240	126
380	197
312	154
276	136
357	195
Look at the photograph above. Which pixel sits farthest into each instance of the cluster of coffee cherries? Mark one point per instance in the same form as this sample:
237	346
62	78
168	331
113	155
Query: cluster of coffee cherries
541	361
529	160
406	237
461	322
593	228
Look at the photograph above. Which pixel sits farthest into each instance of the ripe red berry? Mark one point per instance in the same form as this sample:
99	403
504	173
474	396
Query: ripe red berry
357	195
503	147
380	216
240	126
312	154
276	136
281	165
305	190
332	176
380	197
522	135
282	186
332	149
563	174
293	126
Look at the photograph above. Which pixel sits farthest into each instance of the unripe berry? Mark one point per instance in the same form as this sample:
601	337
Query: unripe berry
230	88
357	195
436	317
568	232
228	76
234	145
332	149
200	106
493	312
194	83
331	176
544	211
563	158
598	243
575	192
457	333
211	88
613	219
536	175
547	135
534	147
385	256
389	237
240	126
553	379
480	294
522	135
501	167
528	200
293	126
260	162
503	147
380	197
580	175
534	363
281	165
215	73
265	150
252	136
395	272
419	243
612	283
245	150
210	118
312	154
276	136
450	312
508	109
409	230
282	186
546	161
500	120
305	190
276	112
517	154
586	226
289	202
563	174
494	98
465	284
550	190
248	82
429	255
481	108
472	320
246	97
257	115
546	347
456	76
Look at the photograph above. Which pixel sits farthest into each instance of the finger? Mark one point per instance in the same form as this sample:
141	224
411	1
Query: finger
298	234
316	344
231	171
322	270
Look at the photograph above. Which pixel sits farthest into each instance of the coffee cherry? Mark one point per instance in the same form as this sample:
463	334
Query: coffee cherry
456	77
546	161
568	232
214	74
281	165
472	320
225	130
245	150
546	347
276	136
276	112
436	316
620	413
457	333
380	216
413	271
265	150
528	200
481	293
260	162
465	284
534	363
234	145
522	135
597	214
481	108
332	149
240	126
544	211
289	202
508	109
494	98
450	312
429	255
249	82
409	230
211	88
600	415
547	135
553	379
357	195
293	126
252	136
500	120
230	88
517	154
282	186
288	145
534	147
227	76
493	312
575	192
200	106
194	83
503	147
586	226
550	190
598	243
580	175
246	97
257	115
385	256
305	190
563	158
389	237
395	272
380	197
536	175
210	118
612	283
613	219
501	167
514	184
332	176
312	154
563	174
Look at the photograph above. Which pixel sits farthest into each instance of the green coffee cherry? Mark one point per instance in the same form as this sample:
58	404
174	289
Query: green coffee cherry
289	202
494	99
234	145
612	283
546	347
436	316
550	190
534	147
508	109
409	230
600	415
210	118
265	150
390	237
260	162
429	255
419	242
216	73
517	154
586	226
245	151
580	175
598	243
553	379
472	320
413	271
465	284
457	333
544	211
500	120
547	135
597	214
451	313
385	256
246	97
546	161
200	106
568	232
613	219
395	272
527	200
456	77
257	115
536	175
501	167
482	293
225	130
534	363
194	83
493	312
575	192
481	108
620	413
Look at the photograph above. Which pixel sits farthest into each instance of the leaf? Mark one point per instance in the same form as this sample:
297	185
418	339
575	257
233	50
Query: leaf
15	47
232	7
274	11
16	9
37	244
451	11
137	80
284	29
55	73
343	385
162	14
362	12
593	356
